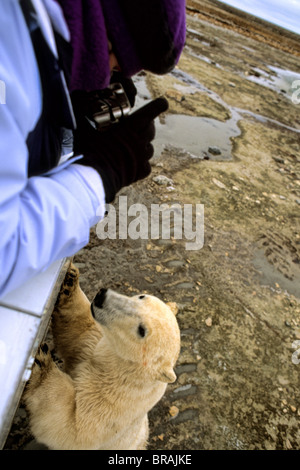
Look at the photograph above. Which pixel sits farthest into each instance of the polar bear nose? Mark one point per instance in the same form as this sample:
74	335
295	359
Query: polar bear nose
100	298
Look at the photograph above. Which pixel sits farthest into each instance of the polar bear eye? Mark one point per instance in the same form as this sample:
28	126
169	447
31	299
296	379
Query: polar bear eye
141	330
141	297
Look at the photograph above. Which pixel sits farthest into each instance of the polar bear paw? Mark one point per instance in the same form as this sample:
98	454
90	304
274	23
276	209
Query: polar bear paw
42	365
69	284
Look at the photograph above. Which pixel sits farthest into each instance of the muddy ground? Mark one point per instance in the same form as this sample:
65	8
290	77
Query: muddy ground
230	143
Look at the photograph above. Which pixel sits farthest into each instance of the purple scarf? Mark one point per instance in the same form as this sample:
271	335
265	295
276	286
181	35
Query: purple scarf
145	34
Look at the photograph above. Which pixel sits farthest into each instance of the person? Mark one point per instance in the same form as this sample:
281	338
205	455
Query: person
56	171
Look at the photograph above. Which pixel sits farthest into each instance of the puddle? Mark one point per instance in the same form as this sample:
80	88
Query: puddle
176	263
271	277
284	80
266	120
199	137
143	94
280	80
197	36
202	57
185	285
207	138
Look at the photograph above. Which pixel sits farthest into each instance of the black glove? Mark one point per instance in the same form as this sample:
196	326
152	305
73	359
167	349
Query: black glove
121	154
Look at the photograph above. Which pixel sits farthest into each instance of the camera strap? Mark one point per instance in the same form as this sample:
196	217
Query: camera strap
45	141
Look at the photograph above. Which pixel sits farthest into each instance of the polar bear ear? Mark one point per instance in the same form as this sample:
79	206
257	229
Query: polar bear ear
167	375
173	306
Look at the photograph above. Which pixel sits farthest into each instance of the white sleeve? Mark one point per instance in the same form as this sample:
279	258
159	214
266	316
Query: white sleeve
42	218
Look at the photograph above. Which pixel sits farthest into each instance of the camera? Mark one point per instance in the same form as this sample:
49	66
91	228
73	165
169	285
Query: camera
106	107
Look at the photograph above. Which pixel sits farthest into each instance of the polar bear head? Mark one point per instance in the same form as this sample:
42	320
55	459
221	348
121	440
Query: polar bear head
141	329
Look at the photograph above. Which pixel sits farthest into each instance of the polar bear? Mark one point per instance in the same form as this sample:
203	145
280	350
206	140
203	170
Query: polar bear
119	355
